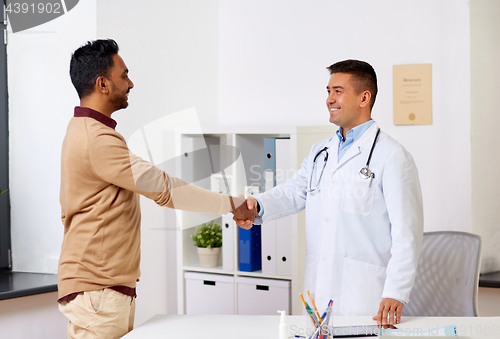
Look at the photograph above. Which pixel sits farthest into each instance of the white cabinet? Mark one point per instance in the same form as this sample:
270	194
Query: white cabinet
263	296
209	293
231	158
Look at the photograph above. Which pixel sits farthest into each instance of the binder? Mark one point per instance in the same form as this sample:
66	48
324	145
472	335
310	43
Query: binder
277	234
228	227
269	163
284	171
250	252
269	228
284	246
269	247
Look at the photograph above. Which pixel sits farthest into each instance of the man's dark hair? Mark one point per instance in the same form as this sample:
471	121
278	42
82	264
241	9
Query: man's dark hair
90	62
362	73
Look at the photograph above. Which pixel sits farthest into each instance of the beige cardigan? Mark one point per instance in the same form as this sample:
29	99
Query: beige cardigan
100	186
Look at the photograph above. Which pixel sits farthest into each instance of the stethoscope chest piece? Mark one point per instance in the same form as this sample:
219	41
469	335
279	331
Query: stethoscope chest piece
365	173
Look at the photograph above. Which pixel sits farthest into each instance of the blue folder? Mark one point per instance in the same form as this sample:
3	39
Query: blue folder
250	256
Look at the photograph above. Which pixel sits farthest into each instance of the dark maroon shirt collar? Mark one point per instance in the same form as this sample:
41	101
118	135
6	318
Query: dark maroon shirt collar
85	112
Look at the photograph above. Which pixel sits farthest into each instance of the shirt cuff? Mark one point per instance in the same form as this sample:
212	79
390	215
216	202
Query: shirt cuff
261	208
258	221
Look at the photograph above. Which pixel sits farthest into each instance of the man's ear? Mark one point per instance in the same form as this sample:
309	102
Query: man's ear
366	97
102	85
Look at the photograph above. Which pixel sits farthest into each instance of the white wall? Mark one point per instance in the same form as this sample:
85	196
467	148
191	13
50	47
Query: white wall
41	102
35	317
488	301
272	60
485	53
236	62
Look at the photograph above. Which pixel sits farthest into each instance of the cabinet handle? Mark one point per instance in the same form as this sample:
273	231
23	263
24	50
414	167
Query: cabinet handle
262	288
209	282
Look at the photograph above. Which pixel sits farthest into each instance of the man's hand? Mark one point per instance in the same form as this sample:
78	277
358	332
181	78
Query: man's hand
389	308
244	212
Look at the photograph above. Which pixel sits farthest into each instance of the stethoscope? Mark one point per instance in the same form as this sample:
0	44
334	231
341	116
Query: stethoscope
365	172
310	189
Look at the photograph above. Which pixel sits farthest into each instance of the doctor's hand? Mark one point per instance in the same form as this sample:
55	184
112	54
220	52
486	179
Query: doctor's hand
251	204
244	213
389	308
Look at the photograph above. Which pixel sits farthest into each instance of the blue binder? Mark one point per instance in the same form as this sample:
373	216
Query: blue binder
250	253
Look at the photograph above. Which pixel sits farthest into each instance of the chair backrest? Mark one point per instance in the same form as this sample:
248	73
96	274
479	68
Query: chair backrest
447	276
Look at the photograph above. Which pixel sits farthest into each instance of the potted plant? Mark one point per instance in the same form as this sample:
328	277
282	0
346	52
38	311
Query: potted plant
208	239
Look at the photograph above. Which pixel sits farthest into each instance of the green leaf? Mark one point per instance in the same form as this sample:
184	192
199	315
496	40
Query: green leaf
208	235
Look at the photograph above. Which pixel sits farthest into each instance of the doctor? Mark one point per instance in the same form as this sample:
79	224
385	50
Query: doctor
364	217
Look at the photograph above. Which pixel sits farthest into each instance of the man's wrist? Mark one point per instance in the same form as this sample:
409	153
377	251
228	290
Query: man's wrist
401	301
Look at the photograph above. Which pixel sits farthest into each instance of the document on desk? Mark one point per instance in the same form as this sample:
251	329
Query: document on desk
447	331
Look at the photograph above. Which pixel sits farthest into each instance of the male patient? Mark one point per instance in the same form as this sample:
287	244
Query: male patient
101	181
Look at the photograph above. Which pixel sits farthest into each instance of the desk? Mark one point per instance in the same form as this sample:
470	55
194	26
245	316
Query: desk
266	327
21	284
489	280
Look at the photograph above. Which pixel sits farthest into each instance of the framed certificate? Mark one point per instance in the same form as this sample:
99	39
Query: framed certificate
412	94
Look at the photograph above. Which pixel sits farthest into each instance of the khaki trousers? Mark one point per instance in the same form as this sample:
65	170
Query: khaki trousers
103	314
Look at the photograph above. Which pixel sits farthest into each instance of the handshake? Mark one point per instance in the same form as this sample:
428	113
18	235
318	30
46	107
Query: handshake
244	211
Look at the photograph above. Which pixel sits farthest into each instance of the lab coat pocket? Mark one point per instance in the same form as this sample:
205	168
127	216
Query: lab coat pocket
358	194
362	286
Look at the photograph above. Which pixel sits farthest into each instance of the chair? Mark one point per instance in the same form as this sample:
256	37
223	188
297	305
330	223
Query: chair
446	283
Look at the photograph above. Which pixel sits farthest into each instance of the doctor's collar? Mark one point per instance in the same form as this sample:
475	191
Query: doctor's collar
356	132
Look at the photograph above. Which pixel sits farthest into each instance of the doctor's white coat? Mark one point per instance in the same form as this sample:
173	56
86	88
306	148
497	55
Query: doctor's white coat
363	239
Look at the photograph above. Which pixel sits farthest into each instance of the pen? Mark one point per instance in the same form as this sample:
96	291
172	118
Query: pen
323	323
326	318
309	310
314	304
324	313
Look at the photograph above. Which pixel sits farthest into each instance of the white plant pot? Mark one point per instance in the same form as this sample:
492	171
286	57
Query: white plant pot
209	257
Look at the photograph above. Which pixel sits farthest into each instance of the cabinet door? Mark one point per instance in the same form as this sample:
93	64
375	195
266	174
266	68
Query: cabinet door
209	293
262	296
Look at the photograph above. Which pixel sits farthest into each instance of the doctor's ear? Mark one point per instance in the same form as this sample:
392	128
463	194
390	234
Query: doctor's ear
365	98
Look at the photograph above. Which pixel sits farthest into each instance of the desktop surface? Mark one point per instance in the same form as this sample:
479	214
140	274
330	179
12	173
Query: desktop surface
262	326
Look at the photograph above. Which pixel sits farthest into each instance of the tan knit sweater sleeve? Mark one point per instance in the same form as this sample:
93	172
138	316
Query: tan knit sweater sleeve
112	161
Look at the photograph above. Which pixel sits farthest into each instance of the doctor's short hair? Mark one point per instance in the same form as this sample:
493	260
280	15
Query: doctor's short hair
362	73
89	62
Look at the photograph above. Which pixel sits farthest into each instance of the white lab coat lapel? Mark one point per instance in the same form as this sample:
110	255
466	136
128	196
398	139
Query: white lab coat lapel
365	141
